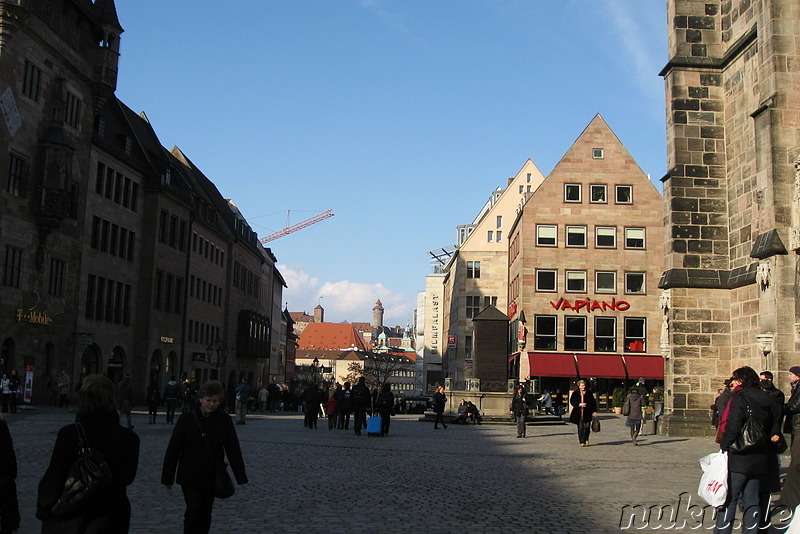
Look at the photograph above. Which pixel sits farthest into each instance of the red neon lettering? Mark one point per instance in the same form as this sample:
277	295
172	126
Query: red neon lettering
566	305
623	305
580	304
595	306
556	305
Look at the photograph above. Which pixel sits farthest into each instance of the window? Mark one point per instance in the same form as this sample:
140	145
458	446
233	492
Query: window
545	280
158	290
605	236
17	174
467	347
499	236
544	332
72	110
634	237
490	236
521	188
597	153
528	178
605	334
163	227
576	281
473	269
489	301
473	306
31	82
635	329
624	194
12	266
546	235
634	283
598	193
605	282
499	221
572	192
574	333
576	236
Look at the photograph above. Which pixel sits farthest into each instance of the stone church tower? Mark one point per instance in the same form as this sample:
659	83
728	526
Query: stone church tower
731	288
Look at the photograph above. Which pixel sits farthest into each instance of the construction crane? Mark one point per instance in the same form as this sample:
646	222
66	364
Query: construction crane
295	227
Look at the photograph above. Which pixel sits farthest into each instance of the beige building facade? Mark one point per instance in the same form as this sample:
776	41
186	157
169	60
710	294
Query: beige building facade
732	199
476	275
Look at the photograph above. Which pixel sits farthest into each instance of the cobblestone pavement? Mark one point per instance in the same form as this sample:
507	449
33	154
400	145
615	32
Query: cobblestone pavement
464	479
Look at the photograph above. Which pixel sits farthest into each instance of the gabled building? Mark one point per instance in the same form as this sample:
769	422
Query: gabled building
476	275
584	260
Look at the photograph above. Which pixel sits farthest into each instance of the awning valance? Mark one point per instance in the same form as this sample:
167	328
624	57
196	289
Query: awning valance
552	364
649	367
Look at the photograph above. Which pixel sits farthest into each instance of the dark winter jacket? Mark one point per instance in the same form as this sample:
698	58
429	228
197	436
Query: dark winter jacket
9	507
111	510
636	401
766	412
791	411
520	404
361	396
172	391
189	454
385	403
439	402
579	413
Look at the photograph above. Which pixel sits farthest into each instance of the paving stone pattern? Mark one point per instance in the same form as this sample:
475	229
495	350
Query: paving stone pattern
465	479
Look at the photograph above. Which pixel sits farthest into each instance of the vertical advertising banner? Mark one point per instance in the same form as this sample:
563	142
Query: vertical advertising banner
27	392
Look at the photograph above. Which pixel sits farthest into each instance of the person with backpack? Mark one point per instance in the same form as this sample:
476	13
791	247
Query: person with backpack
361	398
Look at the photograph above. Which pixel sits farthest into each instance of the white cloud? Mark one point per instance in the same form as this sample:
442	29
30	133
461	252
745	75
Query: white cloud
344	300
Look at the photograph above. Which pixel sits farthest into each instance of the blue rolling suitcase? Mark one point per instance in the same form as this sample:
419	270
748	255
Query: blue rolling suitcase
374	426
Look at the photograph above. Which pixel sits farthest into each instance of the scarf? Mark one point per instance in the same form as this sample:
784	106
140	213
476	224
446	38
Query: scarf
723	419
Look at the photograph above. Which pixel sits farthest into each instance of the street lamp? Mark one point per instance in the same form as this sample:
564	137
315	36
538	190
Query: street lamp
219	349
315	368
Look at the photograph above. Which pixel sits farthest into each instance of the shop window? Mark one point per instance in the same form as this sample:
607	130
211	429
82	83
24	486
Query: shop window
546	235
605	282
545	280
635	334
576	236
574	333
605	334
544	335
576	281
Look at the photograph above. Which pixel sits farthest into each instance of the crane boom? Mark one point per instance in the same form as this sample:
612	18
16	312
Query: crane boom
299	226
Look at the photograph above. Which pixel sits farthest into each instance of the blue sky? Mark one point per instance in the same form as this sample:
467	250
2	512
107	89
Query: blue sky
401	116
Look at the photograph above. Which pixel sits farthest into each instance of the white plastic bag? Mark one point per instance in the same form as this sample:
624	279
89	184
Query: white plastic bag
713	486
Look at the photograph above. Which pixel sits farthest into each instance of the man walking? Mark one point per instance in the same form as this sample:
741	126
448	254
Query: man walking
243	392
171	393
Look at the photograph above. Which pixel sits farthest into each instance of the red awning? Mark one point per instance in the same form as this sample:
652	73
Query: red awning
600	366
651	367
552	364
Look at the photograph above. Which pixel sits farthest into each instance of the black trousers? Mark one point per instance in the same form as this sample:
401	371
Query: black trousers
197	517
584	429
359	419
439	419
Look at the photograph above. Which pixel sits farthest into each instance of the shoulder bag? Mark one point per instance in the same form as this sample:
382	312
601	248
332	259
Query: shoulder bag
752	434
223	485
88	476
626	408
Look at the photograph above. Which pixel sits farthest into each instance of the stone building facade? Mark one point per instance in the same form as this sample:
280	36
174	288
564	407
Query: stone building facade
118	256
732	199
585	256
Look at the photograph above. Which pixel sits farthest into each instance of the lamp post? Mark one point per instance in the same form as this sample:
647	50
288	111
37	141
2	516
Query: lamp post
314	369
218	349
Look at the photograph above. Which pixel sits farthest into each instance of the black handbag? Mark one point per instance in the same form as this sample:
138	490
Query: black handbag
751	436
88	476
595	424
223	484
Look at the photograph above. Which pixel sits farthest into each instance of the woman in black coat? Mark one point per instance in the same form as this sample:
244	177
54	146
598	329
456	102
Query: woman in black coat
110	511
439	402
520	407
747	471
194	457
584	408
